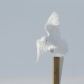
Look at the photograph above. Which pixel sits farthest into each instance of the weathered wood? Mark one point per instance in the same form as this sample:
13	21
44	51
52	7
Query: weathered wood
55	70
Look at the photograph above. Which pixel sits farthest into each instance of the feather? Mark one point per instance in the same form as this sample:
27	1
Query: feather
53	41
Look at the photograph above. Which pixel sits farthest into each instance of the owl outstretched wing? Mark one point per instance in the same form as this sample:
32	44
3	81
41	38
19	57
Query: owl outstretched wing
40	48
52	26
38	44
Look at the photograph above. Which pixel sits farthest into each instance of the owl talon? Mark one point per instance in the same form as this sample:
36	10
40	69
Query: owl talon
51	50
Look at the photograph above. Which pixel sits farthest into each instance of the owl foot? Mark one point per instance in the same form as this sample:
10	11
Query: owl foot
51	50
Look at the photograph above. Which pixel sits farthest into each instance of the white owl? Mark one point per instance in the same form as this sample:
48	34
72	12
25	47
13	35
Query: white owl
53	41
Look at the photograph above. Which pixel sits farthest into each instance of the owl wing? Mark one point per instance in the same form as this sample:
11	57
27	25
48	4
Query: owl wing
38	44
40	48
52	26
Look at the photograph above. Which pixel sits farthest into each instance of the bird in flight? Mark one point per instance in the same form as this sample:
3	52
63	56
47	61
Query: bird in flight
52	42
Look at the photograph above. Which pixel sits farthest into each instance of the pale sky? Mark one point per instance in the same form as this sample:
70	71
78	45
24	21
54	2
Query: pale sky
22	23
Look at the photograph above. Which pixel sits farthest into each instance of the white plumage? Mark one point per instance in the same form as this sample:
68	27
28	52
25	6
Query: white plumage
53	41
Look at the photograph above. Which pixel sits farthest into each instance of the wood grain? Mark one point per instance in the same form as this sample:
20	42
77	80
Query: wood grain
55	70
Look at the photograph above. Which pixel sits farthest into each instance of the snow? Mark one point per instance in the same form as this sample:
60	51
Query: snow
41	80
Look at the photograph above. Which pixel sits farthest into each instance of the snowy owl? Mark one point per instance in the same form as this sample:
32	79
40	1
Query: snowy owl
53	41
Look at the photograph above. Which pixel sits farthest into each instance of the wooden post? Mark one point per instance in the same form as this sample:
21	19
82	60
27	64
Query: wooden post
57	69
